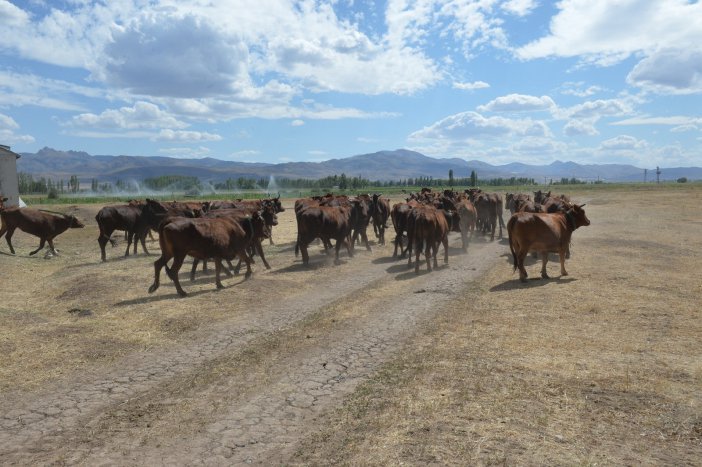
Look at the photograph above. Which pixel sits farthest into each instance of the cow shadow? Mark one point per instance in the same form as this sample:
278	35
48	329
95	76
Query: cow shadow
314	264
516	284
159	298
385	260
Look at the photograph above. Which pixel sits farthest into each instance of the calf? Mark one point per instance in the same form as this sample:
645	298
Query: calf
399	215
40	224
543	232
202	238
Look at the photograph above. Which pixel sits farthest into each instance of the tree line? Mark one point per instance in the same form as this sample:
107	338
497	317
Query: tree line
28	184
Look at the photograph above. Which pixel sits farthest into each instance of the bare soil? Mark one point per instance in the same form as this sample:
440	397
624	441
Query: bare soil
362	363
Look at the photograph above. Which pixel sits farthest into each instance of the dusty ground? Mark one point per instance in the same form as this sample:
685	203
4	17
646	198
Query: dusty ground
363	363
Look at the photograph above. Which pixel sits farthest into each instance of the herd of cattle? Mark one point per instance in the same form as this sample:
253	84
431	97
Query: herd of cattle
228	230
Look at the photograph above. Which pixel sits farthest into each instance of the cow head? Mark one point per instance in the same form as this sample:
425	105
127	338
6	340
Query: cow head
576	215
75	223
258	224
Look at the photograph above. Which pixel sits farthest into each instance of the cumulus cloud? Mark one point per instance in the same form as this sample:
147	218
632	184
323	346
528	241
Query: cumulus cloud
473	126
623	143
579	89
669	71
518	103
605	33
470	86
185	136
297	122
143	115
8	125
580	128
519	7
597	109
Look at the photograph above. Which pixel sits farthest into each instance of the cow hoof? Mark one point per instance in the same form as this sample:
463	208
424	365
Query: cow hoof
545	276
337	262
182	293
220	286
248	275
153	288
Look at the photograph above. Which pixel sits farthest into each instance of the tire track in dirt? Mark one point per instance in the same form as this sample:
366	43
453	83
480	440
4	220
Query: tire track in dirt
203	414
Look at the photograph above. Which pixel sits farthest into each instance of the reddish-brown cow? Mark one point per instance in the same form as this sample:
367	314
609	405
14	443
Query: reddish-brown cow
44	225
544	233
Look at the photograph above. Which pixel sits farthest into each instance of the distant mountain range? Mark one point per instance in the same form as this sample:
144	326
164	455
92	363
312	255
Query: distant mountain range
382	165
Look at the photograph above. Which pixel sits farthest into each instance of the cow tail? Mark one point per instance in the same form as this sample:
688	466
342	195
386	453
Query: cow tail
510	226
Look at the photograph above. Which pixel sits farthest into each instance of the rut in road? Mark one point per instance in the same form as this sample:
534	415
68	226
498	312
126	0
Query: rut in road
246	392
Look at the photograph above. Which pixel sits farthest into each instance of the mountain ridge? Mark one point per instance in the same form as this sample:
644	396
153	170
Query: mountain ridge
381	165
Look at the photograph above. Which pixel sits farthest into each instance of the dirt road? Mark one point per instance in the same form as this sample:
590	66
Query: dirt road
244	389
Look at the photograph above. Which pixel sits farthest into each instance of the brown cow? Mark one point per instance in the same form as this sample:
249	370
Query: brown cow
399	215
128	217
427	227
327	222
544	233
380	211
40	224
203	238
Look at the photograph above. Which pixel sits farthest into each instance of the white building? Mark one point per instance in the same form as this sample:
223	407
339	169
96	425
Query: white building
9	184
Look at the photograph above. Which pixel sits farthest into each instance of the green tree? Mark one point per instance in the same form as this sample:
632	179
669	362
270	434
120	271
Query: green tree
473	178
450	180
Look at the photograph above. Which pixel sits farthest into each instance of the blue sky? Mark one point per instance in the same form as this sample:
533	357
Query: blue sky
592	81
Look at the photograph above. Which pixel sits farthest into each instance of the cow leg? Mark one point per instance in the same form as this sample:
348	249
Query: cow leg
142	237
173	274
303	251
444	241
193	269
130	237
8	237
51	246
259	250
218	271
42	242
520	264
158	265
544	260
562	256
364	236
136	241
398	242
244	257
337	261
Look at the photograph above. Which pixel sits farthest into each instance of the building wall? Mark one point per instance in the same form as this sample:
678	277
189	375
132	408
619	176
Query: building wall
9	186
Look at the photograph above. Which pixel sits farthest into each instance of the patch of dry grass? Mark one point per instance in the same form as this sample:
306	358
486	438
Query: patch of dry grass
601	367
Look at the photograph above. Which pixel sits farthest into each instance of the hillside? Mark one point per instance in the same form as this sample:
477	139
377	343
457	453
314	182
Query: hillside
382	165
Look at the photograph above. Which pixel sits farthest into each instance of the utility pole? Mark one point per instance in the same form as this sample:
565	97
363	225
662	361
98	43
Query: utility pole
658	174
645	174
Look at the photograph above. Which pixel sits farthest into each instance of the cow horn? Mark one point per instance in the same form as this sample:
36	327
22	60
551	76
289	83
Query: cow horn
581	205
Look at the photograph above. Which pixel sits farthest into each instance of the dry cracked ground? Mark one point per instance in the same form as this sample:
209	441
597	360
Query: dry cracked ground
294	343
361	363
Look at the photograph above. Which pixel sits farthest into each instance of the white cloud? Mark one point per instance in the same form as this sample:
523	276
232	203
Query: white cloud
186	153
10	15
669	71
623	143
603	28
579	90
8	125
585	127
674	120
164	55
684	128
297	122
467	126
519	7
470	86
185	136
518	103
143	115
598	108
